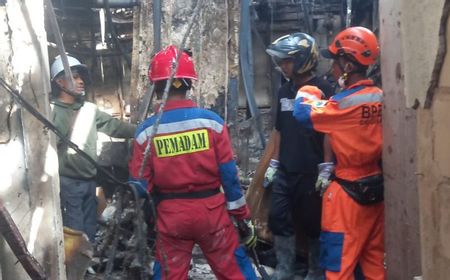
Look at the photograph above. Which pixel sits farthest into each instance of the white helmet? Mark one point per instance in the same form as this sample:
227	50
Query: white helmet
58	67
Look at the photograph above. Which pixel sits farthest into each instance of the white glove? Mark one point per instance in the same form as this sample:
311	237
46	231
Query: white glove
270	172
323	180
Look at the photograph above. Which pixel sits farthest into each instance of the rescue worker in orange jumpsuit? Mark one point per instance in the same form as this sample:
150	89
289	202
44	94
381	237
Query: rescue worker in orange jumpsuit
190	159
352	207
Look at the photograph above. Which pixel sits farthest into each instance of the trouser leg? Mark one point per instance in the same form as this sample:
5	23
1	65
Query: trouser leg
281	208
346	229
72	193
227	259
308	206
173	257
90	210
282	226
372	256
308	210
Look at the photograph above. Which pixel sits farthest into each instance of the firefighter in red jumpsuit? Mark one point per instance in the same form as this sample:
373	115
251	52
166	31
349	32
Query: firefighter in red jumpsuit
352	207
190	159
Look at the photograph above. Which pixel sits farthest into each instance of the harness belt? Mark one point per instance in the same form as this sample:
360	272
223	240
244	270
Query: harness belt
365	191
185	195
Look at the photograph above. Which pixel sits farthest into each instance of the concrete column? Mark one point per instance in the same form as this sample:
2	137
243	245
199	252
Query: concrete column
433	154
399	154
29	185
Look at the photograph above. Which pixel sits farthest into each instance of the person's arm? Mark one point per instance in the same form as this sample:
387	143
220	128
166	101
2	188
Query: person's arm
328	155
236	203
144	181
114	127
321	115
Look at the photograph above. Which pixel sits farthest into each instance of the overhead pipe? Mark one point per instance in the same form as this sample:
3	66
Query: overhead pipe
348	20
59	42
156	25
116	4
307	17
113	32
149	93
246	63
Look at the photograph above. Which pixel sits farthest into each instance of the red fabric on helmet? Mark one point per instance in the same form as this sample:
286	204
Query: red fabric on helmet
161	65
358	42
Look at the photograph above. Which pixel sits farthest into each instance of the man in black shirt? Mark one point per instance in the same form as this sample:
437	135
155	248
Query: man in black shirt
299	151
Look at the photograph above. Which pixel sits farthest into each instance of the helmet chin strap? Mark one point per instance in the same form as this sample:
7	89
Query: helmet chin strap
78	96
343	79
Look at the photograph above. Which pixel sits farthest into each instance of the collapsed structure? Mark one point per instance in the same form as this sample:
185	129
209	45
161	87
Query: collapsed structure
117	38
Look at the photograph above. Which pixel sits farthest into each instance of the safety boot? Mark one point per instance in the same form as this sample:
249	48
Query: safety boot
315	272
285	252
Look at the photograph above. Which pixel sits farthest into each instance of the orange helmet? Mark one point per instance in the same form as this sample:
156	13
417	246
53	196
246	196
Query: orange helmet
161	65
358	42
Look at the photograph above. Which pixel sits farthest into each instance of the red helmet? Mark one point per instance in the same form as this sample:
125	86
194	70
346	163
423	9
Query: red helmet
161	65
358	42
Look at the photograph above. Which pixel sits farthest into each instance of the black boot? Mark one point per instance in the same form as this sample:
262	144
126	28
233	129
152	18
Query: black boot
315	272
285	252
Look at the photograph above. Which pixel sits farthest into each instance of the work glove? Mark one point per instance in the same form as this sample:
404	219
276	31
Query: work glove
140	188
247	233
270	172
323	180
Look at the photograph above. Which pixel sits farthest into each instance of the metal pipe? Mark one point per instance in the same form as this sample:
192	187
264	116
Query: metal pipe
348	20
246	62
15	241
116	3
307	18
113	32
60	43
156	25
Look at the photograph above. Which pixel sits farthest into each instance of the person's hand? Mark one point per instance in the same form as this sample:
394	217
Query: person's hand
139	187
270	172
247	233
323	180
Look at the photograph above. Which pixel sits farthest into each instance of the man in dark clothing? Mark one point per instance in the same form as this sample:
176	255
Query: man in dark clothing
298	152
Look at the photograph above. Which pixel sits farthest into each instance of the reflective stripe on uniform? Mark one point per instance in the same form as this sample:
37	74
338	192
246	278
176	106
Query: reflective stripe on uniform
306	95
287	104
232	205
358	99
179	127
